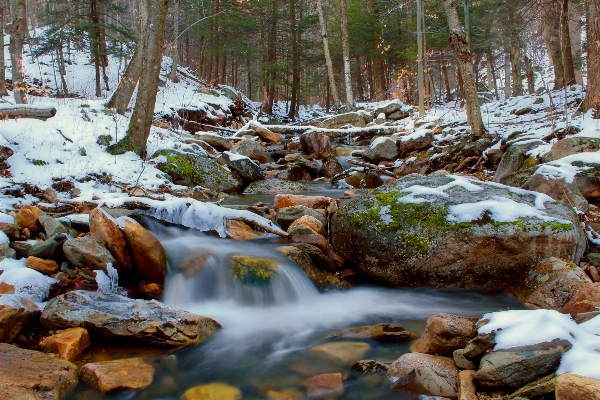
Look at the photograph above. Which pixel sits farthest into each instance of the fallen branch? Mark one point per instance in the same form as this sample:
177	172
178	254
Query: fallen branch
373	167
26	111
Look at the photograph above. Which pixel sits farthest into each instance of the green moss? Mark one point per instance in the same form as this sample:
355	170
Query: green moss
104	140
109	111
530	162
539	100
85	116
519	223
82	152
252	270
39	162
123	146
557	226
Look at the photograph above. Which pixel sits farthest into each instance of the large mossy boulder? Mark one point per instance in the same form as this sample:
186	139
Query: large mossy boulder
195	168
450	231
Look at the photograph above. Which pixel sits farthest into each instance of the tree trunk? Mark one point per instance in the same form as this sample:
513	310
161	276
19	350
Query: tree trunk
3	90
552	37
507	85
175	47
446	82
592	94
153	37
295	62
566	45
420	78
530	75
17	37
460	48
515	62
95	44
271	68
121	97
379	88
328	62
346	53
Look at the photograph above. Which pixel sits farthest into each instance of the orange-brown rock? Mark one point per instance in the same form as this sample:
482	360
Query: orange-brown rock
107	233
445	333
311	222
148	255
426	374
152	290
16	313
30	374
113	376
313	239
68	344
241	231
194	263
341	353
585	300
212	391
576	387
5	288
27	218
289	200
47	267
324	386
467	390
285	394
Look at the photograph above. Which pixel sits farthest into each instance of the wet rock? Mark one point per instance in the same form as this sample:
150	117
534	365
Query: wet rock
26	374
381	332
364	180
241	231
381	149
68	344
274	186
425	374
27	218
324	387
540	388
321	279
445	333
148	256
253	150
85	252
586	300
370	366
518	366
212	391
309	221
550	284
575	387
313	239
287	215
331	167
52	226
400	238
285	394
468	358
251	270
47	248
118	375
321	259
417	140
47	267
514	158
294	172
118	317
289	200
569	146
341	353
558	189
16	313
244	166
309	165
152	291
105	231
356	119
316	144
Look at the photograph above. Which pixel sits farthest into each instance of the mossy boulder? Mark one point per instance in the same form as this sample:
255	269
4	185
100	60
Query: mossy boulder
252	270
195	168
514	158
449	231
569	146
275	186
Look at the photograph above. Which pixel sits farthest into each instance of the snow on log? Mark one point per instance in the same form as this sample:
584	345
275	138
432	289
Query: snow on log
26	111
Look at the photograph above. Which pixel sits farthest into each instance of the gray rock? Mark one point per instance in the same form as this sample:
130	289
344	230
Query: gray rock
85	252
356	119
518	366
513	158
415	141
244	166
219	143
394	106
412	243
381	149
253	150
287	215
119	317
476	148
569	146
52	226
315	144
425	374
274	186
331	167
49	247
7	252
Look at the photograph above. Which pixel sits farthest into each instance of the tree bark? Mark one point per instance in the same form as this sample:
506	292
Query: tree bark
328	62
592	94
153	36
18	33
346	54
3	90
552	37
460	48
530	75
507	91
121	97
569	67
295	62
26	111
175	47
515	63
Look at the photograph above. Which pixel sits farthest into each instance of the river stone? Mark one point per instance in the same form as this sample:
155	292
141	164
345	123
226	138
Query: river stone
26	374
322	280
540	388
311	222
513	158
85	252
426	374
381	332
569	146
445	333
253	150
244	166
251	270
341	353
118	317
240	230
467	390
558	189
147	253
212	391
68	344
27	217
47	267
293	172
577	387
586	300
16	313
316	144
216	141
412	243
52	226
274	186
356	119
322	260
289	200
550	284
370	366
518	366
417	140
118	375
313	239
331	167
287	215
198	169
256	128
381	149
364	180
47	248
465	358
324	386
105	231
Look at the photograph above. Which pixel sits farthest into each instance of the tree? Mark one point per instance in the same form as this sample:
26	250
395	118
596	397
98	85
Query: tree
346	51
328	62
3	91
592	94
18	32
460	49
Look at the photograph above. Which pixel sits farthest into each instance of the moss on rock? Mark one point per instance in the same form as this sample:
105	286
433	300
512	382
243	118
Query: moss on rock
252	270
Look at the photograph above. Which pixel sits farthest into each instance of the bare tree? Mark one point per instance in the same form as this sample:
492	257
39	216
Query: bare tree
3	91
18	32
346	54
328	62
592	94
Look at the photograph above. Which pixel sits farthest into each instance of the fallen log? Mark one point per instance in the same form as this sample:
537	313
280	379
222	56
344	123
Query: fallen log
365	132
26	111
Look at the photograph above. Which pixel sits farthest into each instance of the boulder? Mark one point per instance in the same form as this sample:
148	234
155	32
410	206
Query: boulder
8	226
212	391
468	358
250	270
449	231
381	149
518	366
147	253
514	158
394	106
85	252
194	168
445	333
52	226
216	141
152	290
341	353
313	239
48	247
47	267
321	279
316	144
569	146
381	332
318	256
467	389
576	387
331	167
550	284
119	317
68	344
558	189
27	217
105	231
16	313
26	374
289	200
418	140
309	165
274	186
586	300
293	172
287	215
118	375
310	222
425	374
244	166
324	386
356	119
253	150
256	128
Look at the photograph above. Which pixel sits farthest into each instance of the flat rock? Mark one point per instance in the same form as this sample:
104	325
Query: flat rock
274	186
290	200
445	333
118	375
47	267
34	375
115	316
341	353
585	300
381	332
287	215
417	140
324	386
68	344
